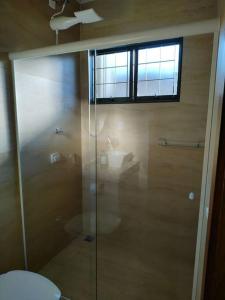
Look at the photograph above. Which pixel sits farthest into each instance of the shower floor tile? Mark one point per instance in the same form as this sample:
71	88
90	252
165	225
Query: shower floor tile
73	270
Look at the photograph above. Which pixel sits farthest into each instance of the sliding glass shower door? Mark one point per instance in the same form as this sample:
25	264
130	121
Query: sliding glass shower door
149	172
56	152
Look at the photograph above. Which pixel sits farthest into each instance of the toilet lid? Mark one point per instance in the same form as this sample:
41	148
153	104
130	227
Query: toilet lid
24	285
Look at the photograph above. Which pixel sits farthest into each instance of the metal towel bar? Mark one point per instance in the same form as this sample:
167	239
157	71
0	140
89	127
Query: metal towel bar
169	143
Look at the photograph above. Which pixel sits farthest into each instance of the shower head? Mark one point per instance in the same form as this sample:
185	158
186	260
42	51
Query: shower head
83	17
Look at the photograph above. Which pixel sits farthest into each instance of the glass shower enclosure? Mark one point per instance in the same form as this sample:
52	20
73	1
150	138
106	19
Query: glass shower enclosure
110	211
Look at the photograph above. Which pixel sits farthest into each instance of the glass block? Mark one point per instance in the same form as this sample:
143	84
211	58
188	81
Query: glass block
142	72
142	56
167	69
99	91
153	54
100	61
153	88
110	60
142	88
168	52
121	90
99	76
110	75
153	71
121	74
166	87
109	90
122	59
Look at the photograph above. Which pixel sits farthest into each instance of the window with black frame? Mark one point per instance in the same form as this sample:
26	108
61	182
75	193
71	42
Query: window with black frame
149	72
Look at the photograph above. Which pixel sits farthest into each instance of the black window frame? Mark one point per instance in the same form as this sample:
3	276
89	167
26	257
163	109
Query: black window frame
133	81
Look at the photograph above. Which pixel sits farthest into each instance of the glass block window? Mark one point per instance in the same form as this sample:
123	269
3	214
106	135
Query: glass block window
149	72
158	70
113	75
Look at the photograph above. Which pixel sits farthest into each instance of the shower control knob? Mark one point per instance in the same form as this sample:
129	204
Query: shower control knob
191	196
59	131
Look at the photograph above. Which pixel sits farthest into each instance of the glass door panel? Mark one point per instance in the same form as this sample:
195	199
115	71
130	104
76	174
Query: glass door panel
52	96
149	171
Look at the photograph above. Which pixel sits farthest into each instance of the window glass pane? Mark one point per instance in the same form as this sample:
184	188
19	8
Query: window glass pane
110	75
121	59
99	61
142	56
168	52
142	72
109	90
99	76
177	51
175	88
113	72
121	74
166	87
99	90
157	72
110	60
158	67
121	90
142	88
153	88
153	54
153	71
167	70
148	88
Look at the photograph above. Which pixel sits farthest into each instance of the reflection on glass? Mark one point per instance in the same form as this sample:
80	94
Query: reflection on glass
57	201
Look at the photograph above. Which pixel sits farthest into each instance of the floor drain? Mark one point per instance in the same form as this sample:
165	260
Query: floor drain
89	238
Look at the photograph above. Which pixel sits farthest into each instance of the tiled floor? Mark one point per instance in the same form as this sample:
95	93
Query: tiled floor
128	268
73	270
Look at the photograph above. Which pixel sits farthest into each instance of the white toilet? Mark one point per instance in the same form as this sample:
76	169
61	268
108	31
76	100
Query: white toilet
24	285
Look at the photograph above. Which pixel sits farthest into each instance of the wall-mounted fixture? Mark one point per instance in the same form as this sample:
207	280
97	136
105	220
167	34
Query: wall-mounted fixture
59	131
172	143
59	22
84	17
